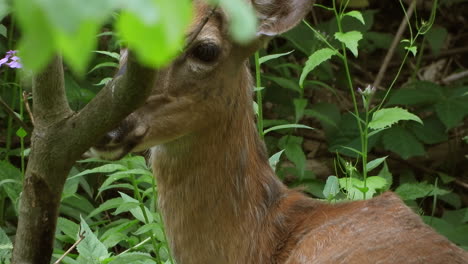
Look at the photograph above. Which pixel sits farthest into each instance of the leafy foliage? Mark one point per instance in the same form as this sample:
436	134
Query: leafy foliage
371	133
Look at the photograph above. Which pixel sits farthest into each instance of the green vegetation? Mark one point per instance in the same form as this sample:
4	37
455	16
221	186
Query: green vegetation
406	132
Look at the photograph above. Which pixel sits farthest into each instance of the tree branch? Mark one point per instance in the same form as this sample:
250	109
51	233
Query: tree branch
118	99
58	140
50	102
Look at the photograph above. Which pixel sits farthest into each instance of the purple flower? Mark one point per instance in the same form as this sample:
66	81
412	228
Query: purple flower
11	60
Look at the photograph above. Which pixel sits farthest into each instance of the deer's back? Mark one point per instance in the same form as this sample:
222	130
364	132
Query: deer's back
380	230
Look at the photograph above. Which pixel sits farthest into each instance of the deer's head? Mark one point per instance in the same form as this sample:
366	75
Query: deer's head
205	85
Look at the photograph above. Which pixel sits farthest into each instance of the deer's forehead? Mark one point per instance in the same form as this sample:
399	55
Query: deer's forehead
214	27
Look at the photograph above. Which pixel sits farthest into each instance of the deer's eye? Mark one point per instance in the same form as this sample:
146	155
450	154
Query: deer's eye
206	52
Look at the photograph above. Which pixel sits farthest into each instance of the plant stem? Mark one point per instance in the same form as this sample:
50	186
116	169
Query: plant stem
362	131
259	95
143	210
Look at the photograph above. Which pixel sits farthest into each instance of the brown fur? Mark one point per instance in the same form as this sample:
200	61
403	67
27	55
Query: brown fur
220	200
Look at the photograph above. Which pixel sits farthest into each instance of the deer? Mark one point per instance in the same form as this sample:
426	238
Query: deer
219	198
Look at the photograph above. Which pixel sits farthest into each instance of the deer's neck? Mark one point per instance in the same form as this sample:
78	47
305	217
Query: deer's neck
215	191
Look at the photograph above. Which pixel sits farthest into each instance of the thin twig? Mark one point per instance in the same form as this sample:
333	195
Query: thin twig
28	108
395	42
82	236
455	77
14	116
462	184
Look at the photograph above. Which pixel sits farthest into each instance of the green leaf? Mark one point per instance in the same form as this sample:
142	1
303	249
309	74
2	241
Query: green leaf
285	127
129	205
273	56
3	29
37	34
6	247
436	37
452	111
114	55
68	227
134	258
67	26
412	191
315	60
386	117
412	49
418	92
21	132
375	163
402	142
431	132
357	15
274	159
355	187
103	65
107	205
284	83
293	149
299	107
90	248
332	187
350	39
107	168
159	38
387	175
242	19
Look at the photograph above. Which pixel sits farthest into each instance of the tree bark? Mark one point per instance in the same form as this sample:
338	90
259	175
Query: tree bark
59	138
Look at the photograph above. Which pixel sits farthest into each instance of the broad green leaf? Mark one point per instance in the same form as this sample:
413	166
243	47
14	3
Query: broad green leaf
284	83
299	107
6	247
386	117
157	40
357	15
274	159
350	39
129	205
134	258
293	149
436	37
452	111
355	187
432	132
412	49
90	248
273	56
107	205
3	29
418	92
68	227
37	35
402	142
21	132
387	175
68	27
375	163
315	60
242	19
154	229
412	191
285	127
332	188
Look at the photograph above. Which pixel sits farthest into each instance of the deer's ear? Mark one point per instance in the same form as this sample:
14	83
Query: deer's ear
278	16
